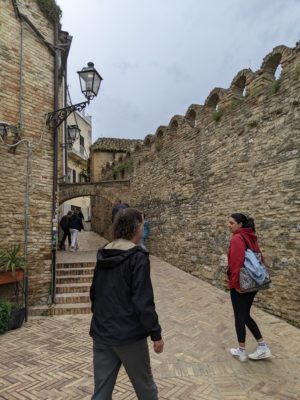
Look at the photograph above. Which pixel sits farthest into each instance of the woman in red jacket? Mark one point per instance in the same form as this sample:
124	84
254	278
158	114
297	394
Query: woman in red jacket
243	237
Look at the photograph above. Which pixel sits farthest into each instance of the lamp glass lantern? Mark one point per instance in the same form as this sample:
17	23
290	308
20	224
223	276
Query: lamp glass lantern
3	128
73	133
90	81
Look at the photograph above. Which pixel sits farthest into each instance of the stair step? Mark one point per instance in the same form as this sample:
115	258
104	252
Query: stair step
66	298
73	288
72	308
38	311
76	265
74	279
74	271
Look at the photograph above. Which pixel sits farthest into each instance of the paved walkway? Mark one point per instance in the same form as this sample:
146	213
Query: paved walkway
50	358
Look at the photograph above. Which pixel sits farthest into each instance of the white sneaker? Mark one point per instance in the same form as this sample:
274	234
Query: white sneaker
261	353
72	248
241	355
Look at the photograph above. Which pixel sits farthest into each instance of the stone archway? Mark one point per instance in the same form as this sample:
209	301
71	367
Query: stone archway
107	189
102	194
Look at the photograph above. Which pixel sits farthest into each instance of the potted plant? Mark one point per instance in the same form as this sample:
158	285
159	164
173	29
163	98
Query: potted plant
12	272
11	316
5	311
17	316
11	264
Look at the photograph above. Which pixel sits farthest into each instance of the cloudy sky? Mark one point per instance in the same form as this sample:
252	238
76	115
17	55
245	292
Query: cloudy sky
159	56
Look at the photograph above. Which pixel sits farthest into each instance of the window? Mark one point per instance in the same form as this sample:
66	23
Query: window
81	139
74	176
69	175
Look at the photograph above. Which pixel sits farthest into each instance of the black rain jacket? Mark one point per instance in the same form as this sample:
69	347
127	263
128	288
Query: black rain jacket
122	298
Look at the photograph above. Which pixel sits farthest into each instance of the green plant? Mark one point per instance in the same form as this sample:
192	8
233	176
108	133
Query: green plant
158	146
44	313
50	10
5	312
256	91
10	259
275	86
292	322
217	115
297	71
235	103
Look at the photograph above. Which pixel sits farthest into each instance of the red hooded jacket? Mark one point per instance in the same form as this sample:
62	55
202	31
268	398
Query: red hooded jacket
242	239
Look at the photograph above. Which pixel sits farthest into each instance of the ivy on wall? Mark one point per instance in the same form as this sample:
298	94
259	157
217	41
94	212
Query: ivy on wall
50	10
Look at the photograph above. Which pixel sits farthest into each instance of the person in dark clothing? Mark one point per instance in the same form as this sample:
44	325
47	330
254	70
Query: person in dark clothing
243	236
80	214
75	226
124	311
64	223
118	205
145	234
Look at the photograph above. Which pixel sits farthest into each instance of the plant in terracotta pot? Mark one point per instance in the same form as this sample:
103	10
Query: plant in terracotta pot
12	272
11	265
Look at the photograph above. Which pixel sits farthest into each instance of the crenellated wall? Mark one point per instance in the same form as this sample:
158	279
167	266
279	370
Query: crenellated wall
239	152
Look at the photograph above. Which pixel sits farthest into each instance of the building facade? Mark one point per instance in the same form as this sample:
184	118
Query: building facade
77	165
111	154
33	56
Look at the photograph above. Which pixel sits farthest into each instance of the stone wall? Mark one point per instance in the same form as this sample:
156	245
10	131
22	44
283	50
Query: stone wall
237	153
106	152
26	172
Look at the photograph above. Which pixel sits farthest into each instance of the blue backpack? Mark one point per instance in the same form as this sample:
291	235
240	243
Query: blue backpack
254	266
253	274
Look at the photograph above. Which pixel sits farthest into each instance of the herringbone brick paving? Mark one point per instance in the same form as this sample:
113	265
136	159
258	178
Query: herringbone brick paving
51	358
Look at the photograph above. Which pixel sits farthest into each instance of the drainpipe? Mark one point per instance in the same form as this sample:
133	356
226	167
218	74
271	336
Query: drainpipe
55	167
66	127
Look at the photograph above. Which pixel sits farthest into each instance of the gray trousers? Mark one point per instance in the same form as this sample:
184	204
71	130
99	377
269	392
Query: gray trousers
136	360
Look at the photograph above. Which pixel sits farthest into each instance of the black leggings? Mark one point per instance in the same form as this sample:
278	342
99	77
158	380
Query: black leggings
241	303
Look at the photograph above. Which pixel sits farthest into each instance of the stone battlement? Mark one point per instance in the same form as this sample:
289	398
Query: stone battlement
239	152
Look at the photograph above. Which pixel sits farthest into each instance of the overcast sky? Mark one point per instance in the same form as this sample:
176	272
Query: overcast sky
157	57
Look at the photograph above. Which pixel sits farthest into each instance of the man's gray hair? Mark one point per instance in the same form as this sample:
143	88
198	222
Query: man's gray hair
126	223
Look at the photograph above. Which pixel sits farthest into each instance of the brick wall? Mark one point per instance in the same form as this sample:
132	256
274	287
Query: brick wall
237	153
27	86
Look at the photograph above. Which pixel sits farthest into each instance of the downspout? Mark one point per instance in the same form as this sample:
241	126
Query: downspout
66	127
55	166
28	170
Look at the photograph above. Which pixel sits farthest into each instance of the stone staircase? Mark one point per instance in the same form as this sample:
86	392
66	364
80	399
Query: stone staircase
73	281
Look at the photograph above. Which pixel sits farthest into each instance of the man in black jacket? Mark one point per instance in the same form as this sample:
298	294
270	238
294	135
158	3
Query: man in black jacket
75	226
64	224
124	311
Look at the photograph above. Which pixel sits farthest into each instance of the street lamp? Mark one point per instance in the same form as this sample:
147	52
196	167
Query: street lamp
73	133
90	81
6	128
3	128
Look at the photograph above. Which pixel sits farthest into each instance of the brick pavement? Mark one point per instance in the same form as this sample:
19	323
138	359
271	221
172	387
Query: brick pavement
50	358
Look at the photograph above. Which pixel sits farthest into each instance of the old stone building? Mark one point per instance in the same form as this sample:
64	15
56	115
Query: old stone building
33	54
113	155
239	152
77	155
106	152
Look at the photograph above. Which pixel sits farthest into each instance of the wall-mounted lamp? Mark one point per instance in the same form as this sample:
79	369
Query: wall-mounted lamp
73	133
6	128
90	81
3	128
